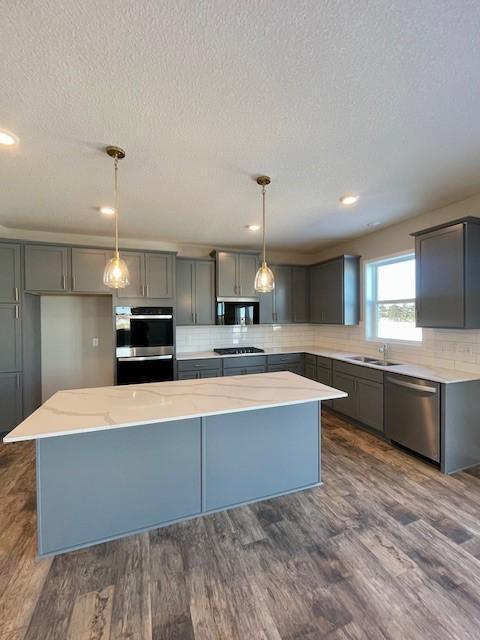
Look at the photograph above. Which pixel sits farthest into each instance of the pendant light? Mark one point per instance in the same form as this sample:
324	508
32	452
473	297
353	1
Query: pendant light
116	274
264	280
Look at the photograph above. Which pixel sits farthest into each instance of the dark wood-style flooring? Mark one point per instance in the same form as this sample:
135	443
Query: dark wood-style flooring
387	549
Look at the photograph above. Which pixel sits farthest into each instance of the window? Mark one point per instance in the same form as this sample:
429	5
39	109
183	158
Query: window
390	298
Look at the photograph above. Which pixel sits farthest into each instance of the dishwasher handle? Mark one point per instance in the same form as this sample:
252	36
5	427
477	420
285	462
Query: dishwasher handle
411	385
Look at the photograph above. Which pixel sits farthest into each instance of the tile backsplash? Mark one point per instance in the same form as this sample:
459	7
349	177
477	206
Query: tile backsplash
445	349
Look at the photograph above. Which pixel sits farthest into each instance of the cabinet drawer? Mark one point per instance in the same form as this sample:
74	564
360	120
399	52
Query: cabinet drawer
376	375
293	367
285	358
242	371
324	362
201	363
244	362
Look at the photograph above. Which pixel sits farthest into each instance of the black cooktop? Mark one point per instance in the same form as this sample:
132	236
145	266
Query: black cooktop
234	350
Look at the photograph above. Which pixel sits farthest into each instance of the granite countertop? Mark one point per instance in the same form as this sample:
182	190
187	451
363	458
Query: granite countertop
84	410
444	376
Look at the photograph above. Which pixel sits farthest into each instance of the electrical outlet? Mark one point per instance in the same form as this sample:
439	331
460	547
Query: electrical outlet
94	342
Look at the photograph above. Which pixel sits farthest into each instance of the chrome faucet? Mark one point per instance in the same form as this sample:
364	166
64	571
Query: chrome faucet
384	349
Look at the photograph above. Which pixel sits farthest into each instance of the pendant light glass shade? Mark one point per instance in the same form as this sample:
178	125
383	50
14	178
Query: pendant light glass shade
264	279
116	274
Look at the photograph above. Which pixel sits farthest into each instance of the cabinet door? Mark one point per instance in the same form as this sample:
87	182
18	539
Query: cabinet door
370	403
188	375
266	308
204	292
346	383
247	270
300	292
209	373
324	376
310	370
282	294
317	293
10	401
88	266
10	280
46	268
159	275
10	338
227	275
440	278
185	292
136	270
332	295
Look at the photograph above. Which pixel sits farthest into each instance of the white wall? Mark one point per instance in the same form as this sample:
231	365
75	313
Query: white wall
440	348
69	360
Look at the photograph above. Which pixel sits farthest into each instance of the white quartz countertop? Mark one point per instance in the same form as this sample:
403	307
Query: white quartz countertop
83	410
445	376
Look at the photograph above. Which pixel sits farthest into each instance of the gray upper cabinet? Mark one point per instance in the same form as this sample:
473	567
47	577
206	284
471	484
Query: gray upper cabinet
335	291
47	268
10	401
236	274
282	294
88	266
10	338
10	273
136	270
195	295
151	275
300	293
447	283
247	266
159	275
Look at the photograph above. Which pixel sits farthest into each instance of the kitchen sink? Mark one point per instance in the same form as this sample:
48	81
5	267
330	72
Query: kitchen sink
364	359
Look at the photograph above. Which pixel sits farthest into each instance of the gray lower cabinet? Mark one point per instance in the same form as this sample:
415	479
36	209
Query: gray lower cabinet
200	368
335	291
293	362
243	365
242	371
10	273
10	401
47	268
10	338
88	266
195	292
365	393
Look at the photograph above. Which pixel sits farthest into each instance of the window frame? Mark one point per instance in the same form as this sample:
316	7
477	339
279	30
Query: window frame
372	303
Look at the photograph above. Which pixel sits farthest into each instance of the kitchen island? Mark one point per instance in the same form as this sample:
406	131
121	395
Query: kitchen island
113	461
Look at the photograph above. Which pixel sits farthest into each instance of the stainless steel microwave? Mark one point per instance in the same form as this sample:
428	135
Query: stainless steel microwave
238	312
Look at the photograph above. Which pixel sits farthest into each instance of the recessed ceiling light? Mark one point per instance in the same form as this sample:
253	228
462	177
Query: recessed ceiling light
348	199
108	211
253	227
7	138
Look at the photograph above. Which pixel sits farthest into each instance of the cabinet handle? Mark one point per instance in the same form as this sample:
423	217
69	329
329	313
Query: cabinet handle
18	380
16	294
147	288
64	282
16	312
196	317
193	316
73	282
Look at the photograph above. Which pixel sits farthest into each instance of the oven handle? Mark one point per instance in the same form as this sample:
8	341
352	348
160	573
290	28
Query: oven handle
411	385
145	317
141	358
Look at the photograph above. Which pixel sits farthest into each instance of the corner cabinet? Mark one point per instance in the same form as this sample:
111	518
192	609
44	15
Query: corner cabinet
235	274
195	292
335	291
447	275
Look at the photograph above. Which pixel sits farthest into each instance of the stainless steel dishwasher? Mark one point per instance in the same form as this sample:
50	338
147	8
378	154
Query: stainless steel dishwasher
412	414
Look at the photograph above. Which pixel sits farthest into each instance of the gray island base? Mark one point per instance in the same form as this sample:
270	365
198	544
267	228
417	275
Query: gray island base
102	482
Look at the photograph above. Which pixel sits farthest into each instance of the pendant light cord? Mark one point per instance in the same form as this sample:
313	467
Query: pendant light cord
116	202
263	203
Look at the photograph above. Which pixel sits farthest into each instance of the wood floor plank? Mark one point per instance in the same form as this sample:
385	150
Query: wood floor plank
92	616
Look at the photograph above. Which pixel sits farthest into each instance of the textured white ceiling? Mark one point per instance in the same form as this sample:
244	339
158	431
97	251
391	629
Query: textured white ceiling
379	97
